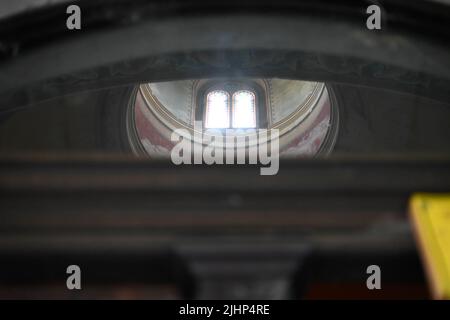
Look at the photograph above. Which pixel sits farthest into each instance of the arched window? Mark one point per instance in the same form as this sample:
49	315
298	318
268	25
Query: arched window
239	112
244	109
217	114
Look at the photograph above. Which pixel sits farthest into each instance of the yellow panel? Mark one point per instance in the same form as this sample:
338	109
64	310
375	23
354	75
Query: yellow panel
430	214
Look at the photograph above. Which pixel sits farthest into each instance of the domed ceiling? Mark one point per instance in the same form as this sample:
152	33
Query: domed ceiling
301	110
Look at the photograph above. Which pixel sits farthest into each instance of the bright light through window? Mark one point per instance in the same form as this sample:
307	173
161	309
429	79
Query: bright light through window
244	113
217	110
243	110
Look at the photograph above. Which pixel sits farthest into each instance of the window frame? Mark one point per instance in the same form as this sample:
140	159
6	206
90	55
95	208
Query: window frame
232	86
